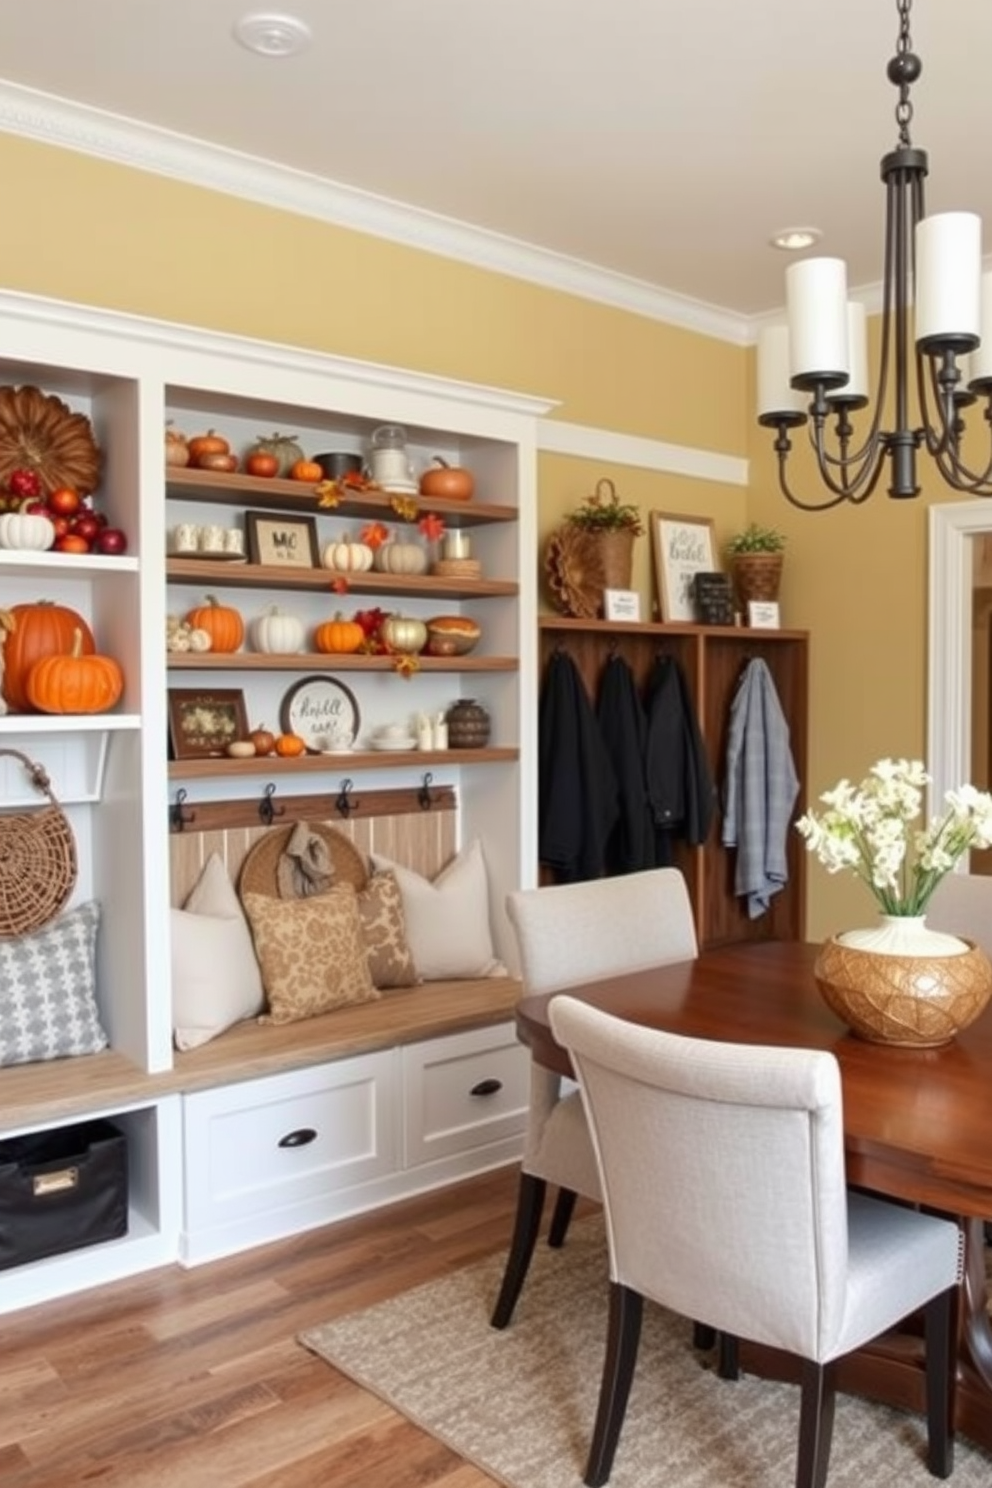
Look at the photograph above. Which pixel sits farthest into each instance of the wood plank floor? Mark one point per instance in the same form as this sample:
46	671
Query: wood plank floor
193	1379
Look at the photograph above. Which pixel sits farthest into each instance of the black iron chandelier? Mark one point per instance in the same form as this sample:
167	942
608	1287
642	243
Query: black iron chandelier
933	269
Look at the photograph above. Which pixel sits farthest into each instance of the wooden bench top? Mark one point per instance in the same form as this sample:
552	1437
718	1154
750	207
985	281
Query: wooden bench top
64	1089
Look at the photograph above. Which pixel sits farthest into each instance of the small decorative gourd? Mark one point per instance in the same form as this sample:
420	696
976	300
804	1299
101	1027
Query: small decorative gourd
347	557
285	449
338	636
277	632
75	683
28	531
223	624
401	558
403	634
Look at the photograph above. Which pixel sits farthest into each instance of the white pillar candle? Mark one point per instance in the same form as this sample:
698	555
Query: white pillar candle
856	385
775	392
980	369
948	276
456	544
816	296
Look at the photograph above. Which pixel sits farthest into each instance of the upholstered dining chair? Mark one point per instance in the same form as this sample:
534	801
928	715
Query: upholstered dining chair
751	1140
571	933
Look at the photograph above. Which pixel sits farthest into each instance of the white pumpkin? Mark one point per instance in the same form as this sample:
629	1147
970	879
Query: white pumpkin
347	557
278	632
401	558
28	530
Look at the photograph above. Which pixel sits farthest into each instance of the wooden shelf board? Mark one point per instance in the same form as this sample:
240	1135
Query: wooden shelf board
337	764
217	573
299	496
300	661
660	628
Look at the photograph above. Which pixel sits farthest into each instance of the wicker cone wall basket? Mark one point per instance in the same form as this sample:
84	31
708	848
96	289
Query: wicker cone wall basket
38	863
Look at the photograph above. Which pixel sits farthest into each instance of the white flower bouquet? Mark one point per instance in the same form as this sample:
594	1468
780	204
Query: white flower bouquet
868	828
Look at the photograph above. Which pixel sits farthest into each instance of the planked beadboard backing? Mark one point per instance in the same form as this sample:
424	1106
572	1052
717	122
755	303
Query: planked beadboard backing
423	840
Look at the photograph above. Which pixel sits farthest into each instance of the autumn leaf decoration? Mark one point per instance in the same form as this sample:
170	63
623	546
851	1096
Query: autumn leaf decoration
373	535
405	666
339	585
327	494
405	508
432	527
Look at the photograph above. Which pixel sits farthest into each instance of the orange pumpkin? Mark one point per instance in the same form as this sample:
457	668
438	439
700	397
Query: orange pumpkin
210	443
338	635
306	470
223	624
288	746
41	629
76	683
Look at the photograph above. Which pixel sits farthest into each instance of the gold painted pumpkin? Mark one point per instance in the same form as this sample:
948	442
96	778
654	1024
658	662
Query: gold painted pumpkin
76	683
403	634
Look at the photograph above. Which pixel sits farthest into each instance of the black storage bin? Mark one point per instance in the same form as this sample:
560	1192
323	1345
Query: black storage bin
60	1190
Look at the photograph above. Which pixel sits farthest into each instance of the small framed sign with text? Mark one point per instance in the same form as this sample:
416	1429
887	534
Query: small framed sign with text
762	615
621	604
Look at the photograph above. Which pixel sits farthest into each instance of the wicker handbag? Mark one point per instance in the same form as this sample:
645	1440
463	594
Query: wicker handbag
37	859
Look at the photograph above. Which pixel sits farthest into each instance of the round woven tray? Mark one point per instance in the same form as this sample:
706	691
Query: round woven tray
260	867
37	860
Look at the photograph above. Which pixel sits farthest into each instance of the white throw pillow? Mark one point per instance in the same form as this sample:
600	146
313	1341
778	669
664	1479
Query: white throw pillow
447	921
215	975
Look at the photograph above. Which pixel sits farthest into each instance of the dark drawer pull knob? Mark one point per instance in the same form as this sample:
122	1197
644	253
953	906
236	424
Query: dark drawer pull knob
486	1087
301	1138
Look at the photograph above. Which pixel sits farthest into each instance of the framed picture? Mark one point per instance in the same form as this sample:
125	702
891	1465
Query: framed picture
323	712
682	547
762	614
203	721
282	541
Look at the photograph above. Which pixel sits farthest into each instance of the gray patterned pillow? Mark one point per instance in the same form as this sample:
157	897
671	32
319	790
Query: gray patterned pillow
47	1006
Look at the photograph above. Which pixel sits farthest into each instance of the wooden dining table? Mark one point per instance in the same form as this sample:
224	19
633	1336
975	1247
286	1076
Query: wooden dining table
917	1127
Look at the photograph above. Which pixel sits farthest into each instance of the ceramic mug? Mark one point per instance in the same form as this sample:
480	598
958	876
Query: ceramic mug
234	540
212	539
185	537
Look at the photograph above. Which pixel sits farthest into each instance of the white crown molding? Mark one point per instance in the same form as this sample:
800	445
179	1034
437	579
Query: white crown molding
71	126
557	437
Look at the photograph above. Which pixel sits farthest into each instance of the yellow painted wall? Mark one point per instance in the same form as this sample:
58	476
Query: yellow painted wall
110	236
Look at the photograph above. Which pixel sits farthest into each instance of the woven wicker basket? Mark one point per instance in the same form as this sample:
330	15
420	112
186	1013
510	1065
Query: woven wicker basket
37	859
260	869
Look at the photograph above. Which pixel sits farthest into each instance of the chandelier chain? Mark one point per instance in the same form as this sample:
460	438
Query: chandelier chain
904	50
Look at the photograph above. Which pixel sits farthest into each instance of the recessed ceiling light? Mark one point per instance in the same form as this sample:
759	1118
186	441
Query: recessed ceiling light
794	239
272	35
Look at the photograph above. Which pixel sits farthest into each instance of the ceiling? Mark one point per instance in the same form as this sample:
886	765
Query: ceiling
661	140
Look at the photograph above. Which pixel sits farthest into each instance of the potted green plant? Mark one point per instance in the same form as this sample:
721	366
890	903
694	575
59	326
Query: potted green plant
756	556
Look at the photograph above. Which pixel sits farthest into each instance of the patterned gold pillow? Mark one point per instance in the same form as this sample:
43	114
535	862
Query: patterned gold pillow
311	951
380	906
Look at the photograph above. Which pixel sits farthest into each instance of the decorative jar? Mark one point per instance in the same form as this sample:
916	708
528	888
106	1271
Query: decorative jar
468	725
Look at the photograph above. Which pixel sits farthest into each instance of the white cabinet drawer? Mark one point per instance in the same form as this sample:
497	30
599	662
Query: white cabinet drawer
270	1144
463	1092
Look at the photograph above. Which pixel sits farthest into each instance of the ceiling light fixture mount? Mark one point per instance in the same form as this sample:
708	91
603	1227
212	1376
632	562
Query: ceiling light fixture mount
821	355
795	239
272	35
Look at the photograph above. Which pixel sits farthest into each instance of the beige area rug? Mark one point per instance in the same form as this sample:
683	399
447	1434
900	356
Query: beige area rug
520	1404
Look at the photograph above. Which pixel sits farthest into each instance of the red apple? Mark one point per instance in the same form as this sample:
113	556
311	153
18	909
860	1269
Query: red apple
71	543
61	524
23	482
85	525
110	540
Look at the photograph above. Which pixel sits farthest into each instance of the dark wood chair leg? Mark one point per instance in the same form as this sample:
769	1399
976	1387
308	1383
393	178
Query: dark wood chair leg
938	1318
530	1204
816	1423
703	1336
624	1334
728	1364
562	1217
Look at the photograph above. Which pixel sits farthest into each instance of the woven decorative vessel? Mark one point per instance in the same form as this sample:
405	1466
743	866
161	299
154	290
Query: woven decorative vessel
757	577
38	863
260	869
911	1001
468	725
39	432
